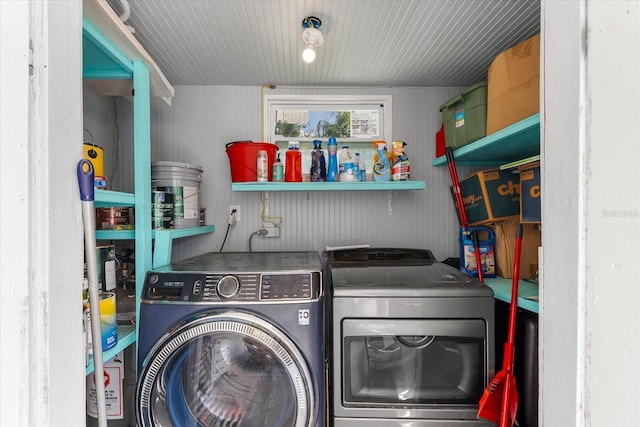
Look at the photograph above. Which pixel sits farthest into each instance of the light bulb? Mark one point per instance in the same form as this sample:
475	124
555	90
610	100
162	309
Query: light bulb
309	54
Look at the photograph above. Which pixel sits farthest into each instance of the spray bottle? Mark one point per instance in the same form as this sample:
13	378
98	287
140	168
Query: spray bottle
382	161
401	169
332	168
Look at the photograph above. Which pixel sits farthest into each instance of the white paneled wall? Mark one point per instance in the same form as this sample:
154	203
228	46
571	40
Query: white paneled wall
202	119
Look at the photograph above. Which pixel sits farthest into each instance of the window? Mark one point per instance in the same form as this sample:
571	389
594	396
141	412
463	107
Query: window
355	121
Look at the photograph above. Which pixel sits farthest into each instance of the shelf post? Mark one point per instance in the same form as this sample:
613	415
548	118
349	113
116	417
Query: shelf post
142	170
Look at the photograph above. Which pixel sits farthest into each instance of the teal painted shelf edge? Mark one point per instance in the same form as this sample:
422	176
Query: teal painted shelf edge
108	198
515	142
115	234
126	337
502	291
164	241
328	186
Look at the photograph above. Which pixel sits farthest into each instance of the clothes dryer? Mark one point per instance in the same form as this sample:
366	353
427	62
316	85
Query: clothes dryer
233	339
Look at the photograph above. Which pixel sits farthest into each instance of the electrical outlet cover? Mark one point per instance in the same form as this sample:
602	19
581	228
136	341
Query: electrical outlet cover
237	208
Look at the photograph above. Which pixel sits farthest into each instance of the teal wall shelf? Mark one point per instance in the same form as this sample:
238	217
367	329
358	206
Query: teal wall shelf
519	141
115	63
515	142
126	337
100	58
164	241
527	292
106	198
328	186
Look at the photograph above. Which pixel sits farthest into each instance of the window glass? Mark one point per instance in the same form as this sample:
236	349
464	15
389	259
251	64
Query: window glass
355	121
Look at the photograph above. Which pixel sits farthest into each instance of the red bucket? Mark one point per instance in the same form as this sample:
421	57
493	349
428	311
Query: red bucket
243	159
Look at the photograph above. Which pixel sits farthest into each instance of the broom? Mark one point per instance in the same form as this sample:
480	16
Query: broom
499	402
462	213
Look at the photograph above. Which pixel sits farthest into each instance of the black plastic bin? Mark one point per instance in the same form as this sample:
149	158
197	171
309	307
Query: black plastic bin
526	359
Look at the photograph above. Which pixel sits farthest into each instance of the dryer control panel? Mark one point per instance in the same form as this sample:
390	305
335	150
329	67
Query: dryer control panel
178	287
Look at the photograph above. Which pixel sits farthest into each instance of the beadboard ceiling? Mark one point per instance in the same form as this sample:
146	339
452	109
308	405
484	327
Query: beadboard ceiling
366	42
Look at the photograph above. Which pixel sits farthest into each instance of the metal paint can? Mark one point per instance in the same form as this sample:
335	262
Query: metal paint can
162	207
108	218
183	181
178	201
95	154
107	266
108	322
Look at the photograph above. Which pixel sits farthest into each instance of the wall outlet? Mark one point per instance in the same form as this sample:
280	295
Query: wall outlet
237	214
271	231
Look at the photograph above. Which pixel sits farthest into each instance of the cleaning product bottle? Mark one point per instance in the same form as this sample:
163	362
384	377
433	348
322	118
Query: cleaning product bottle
362	170
382	161
293	163
262	166
278	170
401	169
348	165
332	168
318	167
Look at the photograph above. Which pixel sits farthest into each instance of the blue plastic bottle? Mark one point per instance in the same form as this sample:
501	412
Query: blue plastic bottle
332	168
362	172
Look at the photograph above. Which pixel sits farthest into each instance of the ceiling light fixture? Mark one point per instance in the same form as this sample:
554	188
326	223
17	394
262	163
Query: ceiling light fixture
312	38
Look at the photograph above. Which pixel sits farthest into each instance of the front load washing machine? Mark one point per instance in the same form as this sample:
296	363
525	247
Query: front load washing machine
233	339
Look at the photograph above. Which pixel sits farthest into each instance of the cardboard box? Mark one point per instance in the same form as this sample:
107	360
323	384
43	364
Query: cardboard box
513	91
490	196
465	116
530	206
505	232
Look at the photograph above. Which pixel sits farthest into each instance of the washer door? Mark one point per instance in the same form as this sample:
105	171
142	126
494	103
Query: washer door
225	369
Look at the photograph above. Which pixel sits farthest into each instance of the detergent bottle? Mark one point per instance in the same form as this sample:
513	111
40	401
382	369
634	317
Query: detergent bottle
318	171
332	168
293	163
382	161
401	169
348	165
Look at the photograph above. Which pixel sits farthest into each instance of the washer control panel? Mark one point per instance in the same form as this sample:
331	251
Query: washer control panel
217	287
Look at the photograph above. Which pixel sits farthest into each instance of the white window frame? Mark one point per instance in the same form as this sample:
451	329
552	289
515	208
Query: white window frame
272	103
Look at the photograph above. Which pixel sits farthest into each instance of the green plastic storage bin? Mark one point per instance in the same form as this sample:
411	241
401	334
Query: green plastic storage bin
465	116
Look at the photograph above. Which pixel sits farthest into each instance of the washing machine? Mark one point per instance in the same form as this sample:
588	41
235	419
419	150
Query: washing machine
412	340
233	339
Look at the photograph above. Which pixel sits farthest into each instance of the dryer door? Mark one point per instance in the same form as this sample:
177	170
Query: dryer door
225	369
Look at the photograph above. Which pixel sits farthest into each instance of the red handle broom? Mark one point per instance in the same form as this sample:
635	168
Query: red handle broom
499	402
462	213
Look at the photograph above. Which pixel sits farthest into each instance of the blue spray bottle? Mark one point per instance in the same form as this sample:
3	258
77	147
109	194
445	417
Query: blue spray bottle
332	168
382	161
